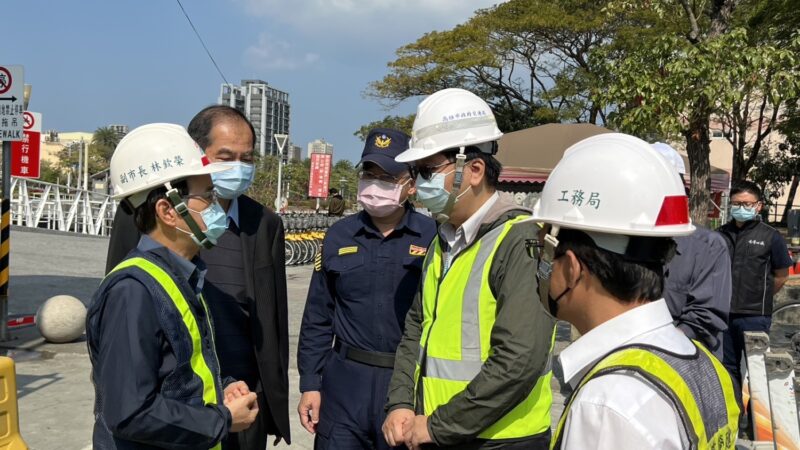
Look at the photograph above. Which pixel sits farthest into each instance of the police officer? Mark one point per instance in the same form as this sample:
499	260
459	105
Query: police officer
151	341
611	207
362	287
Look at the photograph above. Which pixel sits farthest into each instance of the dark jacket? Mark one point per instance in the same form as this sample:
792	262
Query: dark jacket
752	266
261	231
697	287
336	206
520	339
147	394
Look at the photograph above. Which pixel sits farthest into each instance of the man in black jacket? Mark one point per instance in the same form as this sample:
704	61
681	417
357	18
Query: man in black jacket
246	280
760	266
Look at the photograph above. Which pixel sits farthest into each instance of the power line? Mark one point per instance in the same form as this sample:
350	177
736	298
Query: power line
202	42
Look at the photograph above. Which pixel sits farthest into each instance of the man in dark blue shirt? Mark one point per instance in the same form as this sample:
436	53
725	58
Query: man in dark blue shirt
759	267
151	343
363	284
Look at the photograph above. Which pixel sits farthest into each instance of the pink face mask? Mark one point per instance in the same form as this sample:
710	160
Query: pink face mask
380	198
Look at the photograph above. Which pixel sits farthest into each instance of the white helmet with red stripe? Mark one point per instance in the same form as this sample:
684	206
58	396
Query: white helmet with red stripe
613	186
152	155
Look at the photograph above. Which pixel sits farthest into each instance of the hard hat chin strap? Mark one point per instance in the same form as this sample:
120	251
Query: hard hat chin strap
177	202
461	160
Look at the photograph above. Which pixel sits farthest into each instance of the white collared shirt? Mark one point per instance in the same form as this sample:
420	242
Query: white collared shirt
621	411
233	211
458	240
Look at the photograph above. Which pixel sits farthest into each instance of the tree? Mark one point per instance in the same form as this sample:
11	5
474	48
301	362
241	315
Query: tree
72	153
402	123
344	176
49	172
529	59
264	188
771	78
104	141
667	78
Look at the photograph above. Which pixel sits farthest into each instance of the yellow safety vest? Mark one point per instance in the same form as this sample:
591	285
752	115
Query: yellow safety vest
706	404
459	311
197	361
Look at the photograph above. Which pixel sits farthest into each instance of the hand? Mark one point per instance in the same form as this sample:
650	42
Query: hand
308	409
416	433
244	410
235	390
394	425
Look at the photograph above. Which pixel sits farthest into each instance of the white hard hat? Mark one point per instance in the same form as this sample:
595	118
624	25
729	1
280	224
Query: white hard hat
450	118
672	156
152	155
615	184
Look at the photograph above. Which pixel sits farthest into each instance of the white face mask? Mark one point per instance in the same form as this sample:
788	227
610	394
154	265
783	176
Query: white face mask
380	198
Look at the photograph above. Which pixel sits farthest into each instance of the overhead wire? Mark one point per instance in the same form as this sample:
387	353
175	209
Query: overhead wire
200	38
208	52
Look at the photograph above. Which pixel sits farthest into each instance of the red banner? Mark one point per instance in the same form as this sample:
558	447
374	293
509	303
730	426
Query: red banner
26	154
320	175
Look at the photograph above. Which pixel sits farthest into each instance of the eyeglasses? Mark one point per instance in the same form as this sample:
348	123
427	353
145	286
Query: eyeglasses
745	204
385	177
208	196
426	172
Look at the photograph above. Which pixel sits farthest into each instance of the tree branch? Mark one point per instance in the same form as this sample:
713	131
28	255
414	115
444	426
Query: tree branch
694	34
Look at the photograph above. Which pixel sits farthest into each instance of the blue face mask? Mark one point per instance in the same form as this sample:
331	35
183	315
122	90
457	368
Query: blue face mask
432	193
216	221
233	182
742	214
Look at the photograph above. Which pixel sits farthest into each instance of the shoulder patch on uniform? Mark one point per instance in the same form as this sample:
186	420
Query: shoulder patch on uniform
348	250
415	250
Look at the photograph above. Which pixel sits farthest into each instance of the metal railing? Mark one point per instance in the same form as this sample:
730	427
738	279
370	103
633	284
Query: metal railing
38	204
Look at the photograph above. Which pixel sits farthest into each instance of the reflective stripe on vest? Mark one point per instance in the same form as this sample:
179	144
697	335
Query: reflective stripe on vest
198	361
458	316
706	426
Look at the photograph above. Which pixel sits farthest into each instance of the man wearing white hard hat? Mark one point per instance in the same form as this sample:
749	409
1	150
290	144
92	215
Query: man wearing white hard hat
697	286
472	369
150	338
610	210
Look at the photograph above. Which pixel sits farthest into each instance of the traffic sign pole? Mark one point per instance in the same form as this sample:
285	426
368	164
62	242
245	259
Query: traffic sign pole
280	140
5	240
13	96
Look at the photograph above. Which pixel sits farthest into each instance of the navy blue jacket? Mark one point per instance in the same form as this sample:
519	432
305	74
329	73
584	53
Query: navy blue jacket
146	394
697	287
362	287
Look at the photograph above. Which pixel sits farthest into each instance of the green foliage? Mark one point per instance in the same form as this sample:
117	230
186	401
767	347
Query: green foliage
50	173
529	59
296	175
344	176
402	123
71	154
774	170
104	141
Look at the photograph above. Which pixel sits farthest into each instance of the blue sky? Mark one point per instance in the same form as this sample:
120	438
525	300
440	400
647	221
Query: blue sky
98	62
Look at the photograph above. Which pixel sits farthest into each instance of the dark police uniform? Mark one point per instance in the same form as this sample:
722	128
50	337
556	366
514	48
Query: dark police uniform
363	286
360	292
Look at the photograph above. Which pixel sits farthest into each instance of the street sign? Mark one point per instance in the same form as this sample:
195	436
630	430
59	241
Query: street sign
26	154
12	85
320	175
280	140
